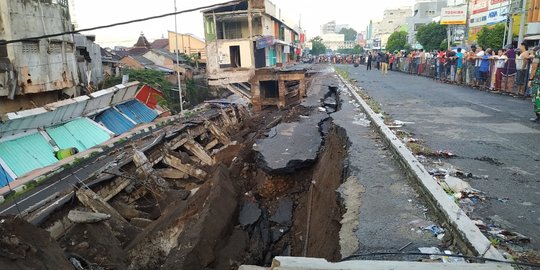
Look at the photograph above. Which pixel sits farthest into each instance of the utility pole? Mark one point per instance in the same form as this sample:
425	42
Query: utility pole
468	18
178	61
522	21
510	35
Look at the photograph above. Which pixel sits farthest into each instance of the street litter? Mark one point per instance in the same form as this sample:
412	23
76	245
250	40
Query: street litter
501	234
503	200
444	153
438	172
362	122
456	185
431	250
322	109
434	229
448	259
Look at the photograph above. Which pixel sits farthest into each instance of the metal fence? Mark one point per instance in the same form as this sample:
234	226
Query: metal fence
505	78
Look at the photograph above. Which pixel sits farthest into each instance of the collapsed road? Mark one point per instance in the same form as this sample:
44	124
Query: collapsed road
233	187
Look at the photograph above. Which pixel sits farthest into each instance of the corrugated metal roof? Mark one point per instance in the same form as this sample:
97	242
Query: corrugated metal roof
27	153
4	177
80	133
114	121
137	111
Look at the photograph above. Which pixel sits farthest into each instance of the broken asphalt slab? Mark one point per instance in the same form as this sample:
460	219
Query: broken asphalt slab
291	146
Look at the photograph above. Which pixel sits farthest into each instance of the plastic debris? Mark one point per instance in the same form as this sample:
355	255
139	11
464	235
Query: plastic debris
431	250
501	234
438	172
434	229
447	259
503	200
322	109
456	185
444	153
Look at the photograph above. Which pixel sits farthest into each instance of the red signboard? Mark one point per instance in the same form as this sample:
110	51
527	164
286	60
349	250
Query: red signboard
479	6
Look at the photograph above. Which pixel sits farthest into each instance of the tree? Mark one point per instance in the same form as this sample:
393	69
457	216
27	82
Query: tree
491	37
350	34
431	35
397	41
317	46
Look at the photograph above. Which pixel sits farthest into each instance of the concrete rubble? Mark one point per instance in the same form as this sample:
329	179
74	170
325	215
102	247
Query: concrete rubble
86	217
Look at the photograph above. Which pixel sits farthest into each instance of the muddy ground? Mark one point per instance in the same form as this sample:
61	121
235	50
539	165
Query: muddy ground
198	201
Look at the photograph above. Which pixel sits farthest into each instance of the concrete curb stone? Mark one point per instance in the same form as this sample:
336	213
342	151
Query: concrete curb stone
460	225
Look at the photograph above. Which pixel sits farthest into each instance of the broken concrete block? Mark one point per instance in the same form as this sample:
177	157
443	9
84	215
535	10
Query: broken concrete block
86	217
197	150
171	173
283	214
249	214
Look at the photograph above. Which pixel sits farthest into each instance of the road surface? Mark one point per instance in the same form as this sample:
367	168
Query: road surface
491	135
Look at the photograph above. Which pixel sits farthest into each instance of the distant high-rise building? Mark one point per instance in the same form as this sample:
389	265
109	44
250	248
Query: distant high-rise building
328	28
423	13
391	20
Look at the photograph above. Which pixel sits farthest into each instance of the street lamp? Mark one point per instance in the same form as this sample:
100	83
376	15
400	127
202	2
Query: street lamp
178	61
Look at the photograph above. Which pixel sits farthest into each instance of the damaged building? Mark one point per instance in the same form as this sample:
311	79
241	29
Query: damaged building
35	72
245	37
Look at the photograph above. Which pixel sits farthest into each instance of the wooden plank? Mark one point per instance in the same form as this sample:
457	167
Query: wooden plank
211	144
146	171
177	142
186	168
220	135
226	119
197	150
93	201
137	194
172	173
113	188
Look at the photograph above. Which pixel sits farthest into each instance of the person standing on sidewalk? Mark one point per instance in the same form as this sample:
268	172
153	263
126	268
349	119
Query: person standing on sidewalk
500	62
459	65
536	89
483	69
470	66
522	68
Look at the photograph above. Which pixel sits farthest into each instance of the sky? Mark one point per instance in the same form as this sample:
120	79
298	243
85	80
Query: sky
356	13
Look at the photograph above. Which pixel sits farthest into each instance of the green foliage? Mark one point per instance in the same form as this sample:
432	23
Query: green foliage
444	45
154	79
431	35
196	94
397	41
350	34
356	50
317	47
491	37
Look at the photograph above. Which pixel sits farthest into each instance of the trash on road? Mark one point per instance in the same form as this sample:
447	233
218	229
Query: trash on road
444	153
456	185
435	230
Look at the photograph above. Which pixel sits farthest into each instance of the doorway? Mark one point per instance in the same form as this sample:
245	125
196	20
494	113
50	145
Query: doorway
235	56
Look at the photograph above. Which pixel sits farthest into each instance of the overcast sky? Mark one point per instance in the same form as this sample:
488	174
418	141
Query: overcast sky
90	13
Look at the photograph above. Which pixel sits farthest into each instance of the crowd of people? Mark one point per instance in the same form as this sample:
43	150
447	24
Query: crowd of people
509	70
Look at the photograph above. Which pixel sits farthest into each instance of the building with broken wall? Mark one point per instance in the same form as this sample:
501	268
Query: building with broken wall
35	72
246	35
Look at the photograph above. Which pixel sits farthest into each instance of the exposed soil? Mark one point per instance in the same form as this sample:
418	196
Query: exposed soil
205	215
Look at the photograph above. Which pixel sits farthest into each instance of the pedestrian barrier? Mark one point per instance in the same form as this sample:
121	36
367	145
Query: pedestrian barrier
505	79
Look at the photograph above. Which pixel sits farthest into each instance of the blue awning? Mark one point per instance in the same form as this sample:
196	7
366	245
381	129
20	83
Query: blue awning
114	121
81	133
5	179
27	153
137	111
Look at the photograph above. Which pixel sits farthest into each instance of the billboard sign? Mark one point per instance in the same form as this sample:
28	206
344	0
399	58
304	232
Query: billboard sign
454	15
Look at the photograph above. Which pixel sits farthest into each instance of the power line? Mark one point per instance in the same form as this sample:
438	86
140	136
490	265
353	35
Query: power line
118	24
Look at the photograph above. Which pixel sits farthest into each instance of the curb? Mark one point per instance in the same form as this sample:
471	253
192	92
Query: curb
469	237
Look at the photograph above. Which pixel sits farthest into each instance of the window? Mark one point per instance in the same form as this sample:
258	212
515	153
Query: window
55	47
30	47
